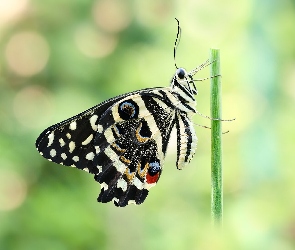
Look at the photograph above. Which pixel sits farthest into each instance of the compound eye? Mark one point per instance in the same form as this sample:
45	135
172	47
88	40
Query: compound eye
181	73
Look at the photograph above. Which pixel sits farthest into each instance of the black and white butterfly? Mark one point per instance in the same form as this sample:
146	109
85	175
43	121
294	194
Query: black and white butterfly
123	141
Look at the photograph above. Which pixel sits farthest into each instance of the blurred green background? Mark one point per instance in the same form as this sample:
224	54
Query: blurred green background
59	58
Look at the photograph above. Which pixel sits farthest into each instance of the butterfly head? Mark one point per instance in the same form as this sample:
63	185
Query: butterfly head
183	79
181	73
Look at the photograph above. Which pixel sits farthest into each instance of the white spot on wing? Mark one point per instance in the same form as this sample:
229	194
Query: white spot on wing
52	152
64	156
131	202
115	200
93	120
72	146
87	140
86	169
76	158
73	125
61	142
97	149
99	128
122	184
104	186
50	139
99	168
90	156
68	135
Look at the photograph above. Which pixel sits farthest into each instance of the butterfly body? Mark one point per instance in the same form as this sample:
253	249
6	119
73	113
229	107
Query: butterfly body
123	141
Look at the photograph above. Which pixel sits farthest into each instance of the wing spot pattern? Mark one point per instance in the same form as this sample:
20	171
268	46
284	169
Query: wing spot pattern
93	120
76	158
104	186
97	149
99	128
61	142
52	153
72	146
122	184
90	156
50	139
63	156
73	125
99	168
87	140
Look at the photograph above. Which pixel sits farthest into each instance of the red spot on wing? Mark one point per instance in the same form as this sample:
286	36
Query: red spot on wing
152	179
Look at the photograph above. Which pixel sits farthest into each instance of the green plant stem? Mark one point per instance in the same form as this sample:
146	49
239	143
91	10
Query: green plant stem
216	148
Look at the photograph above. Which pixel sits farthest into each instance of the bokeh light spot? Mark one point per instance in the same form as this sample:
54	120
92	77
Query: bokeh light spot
13	190
11	9
33	107
111	15
27	53
94	44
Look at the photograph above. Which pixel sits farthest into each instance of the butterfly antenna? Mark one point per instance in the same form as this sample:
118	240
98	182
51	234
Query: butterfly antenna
177	41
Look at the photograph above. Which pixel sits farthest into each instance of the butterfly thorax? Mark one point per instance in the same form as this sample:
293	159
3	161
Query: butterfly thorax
183	89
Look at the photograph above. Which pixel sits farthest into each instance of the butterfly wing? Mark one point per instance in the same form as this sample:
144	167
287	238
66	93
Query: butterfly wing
122	142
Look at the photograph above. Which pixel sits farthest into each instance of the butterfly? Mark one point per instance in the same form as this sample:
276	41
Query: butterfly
123	141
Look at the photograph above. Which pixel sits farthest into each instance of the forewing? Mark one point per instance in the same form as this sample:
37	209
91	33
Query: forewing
69	141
